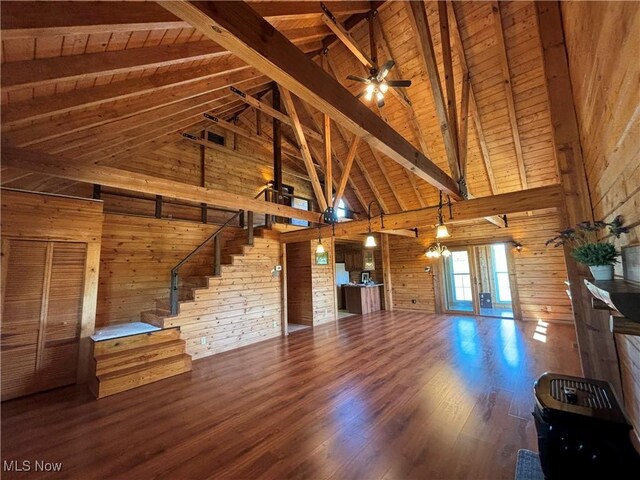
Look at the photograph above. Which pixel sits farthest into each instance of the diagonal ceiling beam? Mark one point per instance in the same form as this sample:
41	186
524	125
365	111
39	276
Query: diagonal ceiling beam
113	177
48	71
304	147
38	19
235	26
417	14
508	90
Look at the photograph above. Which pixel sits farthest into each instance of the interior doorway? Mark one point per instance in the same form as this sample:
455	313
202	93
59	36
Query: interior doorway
480	280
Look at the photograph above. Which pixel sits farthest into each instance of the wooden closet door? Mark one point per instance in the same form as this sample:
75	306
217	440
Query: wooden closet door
58	352
41	314
25	271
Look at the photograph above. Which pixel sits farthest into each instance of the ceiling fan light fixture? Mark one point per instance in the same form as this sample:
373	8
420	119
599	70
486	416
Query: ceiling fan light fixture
370	88
368	96
384	86
379	95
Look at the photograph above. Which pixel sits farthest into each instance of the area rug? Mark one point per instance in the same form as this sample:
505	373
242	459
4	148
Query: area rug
528	466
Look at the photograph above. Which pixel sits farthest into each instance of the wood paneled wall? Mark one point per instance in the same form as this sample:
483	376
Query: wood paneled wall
323	284
136	261
240	307
75	225
540	270
603	43
299	290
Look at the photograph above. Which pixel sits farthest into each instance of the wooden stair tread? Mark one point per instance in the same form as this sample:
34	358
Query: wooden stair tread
137	351
134	341
141	368
137	376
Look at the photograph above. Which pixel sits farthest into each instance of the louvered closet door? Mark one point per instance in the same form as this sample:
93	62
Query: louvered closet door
58	353
25	266
41	314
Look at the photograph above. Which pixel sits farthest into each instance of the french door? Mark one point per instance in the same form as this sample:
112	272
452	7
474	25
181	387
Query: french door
479	280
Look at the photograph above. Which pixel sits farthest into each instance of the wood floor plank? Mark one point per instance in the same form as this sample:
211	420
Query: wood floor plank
389	395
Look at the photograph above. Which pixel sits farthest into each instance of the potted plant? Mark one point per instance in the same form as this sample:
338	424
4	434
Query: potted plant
598	254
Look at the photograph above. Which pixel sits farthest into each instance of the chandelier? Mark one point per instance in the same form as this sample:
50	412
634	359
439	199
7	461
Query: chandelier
437	251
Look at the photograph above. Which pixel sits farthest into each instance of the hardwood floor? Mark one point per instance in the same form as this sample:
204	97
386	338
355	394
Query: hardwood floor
387	396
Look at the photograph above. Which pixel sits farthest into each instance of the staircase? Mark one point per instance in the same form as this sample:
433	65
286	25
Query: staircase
233	253
131	361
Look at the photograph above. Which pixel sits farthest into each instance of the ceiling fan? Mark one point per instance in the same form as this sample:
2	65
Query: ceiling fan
377	85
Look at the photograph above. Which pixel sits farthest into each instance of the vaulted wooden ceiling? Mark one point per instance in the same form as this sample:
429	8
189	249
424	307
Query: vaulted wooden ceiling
106	82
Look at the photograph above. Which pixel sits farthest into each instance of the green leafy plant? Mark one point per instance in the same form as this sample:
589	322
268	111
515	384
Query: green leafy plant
588	248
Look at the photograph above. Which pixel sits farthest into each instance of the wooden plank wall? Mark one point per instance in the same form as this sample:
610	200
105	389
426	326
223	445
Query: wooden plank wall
52	218
240	307
540	270
299	293
136	260
323	284
605	92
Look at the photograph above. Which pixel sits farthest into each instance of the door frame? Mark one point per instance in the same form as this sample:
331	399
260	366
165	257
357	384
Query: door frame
474	281
440	273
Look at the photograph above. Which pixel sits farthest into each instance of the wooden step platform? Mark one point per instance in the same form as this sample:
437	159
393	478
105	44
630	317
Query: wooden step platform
127	362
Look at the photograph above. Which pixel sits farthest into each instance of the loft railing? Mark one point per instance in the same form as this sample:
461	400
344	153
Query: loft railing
215	237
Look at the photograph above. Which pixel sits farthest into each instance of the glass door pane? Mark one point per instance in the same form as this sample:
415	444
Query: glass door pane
495	287
458	288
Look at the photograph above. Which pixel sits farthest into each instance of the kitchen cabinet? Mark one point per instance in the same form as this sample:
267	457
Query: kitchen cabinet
359	260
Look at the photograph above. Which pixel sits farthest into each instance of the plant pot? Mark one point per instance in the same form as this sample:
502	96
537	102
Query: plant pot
602	272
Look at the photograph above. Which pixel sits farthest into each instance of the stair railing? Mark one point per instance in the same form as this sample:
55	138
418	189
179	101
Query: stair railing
173	293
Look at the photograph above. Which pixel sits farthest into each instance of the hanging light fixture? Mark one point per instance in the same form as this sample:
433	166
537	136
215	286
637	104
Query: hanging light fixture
441	229
370	241
437	251
320	247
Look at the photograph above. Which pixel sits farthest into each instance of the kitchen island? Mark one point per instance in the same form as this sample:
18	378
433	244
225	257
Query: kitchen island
362	299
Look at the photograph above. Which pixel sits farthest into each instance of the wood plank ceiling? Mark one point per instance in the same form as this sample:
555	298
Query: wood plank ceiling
105	83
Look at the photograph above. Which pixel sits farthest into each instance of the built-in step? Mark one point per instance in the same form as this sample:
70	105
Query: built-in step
126	362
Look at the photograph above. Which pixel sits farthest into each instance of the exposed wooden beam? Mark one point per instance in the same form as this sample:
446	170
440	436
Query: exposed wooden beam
447	61
81	144
506	203
243	132
328	169
417	14
356	191
263	107
236	27
484	149
31	19
112	177
463	134
304	147
511	105
346	38
419	132
346	171
48	71
82	120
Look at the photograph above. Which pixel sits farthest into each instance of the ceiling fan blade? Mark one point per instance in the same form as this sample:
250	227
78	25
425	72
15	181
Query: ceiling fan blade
399	83
360	94
384	71
381	103
358	79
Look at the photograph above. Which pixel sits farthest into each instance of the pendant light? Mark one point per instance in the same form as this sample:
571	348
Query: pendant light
441	229
437	251
370	241
320	247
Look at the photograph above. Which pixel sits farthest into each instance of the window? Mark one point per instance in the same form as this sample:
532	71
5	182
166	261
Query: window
501	273
341	211
215	138
461	276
